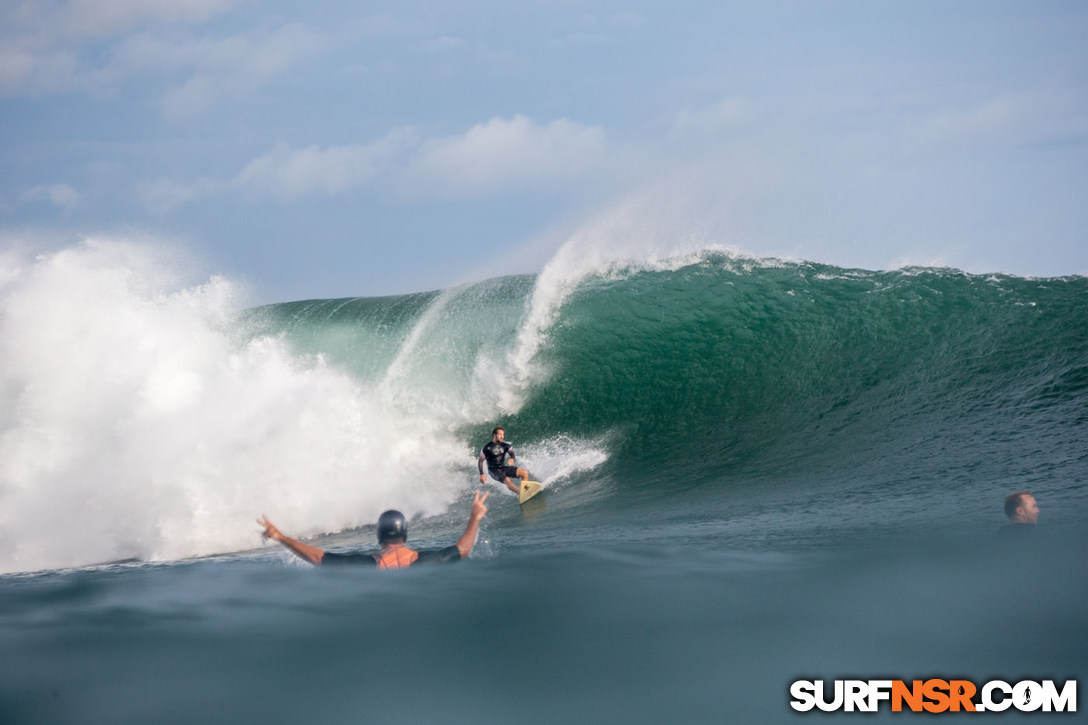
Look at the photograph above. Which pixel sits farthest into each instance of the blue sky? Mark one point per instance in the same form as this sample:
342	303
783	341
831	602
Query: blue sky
338	148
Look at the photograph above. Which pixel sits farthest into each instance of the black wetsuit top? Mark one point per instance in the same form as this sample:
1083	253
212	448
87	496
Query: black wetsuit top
496	455
1015	529
434	556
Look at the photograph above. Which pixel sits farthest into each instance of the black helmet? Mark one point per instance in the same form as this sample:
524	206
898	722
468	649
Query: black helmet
392	525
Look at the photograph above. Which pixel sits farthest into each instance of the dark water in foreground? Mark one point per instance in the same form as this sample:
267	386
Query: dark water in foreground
677	632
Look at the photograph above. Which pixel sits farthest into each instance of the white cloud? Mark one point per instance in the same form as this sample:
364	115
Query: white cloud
214	68
290	174
502	154
491	158
60	195
1033	116
91	46
41	42
287	174
719	117
25	69
98	18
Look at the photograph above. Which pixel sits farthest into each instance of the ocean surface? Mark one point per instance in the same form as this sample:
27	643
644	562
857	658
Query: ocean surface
755	471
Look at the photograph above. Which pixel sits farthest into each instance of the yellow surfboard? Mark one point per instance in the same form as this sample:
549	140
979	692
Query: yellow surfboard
528	490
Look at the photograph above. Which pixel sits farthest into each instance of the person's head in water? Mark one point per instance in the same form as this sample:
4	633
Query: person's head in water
1021	508
498	434
392	528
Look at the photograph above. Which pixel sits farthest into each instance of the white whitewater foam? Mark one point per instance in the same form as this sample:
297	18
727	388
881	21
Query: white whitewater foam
631	237
134	424
557	459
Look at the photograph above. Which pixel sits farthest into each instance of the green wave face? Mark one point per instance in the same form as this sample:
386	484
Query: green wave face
718	366
726	368
765	399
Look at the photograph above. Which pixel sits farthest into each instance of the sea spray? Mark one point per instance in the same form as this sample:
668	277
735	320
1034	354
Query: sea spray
758	471
151	417
139	423
145	415
617	242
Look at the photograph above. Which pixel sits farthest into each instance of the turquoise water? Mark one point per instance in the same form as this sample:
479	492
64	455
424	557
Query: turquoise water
754	472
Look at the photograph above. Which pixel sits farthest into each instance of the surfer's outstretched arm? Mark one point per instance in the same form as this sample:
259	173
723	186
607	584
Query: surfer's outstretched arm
311	554
468	539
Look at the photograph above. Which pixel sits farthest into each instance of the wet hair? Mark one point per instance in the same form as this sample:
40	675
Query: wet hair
497	428
1014	501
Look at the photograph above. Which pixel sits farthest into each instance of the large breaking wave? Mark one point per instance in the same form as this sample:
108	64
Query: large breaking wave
148	417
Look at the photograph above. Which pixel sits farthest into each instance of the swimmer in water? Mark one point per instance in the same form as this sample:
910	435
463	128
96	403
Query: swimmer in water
392	537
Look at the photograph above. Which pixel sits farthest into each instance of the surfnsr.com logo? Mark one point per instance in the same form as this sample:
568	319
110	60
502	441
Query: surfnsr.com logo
933	696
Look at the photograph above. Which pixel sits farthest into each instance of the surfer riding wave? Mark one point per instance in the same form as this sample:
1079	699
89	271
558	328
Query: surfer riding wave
501	461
